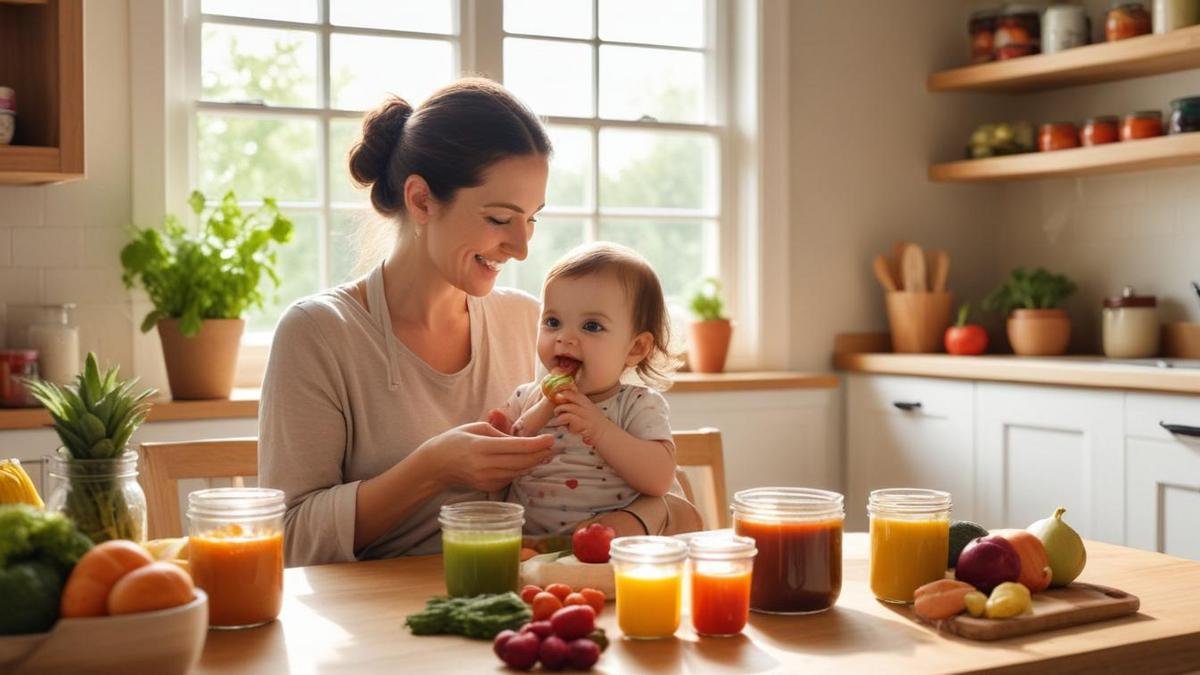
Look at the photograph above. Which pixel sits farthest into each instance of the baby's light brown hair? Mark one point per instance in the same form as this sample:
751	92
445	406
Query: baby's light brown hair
644	292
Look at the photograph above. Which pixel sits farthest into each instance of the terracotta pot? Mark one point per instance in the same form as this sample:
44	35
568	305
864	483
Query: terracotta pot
201	367
918	321
1039	332
709	345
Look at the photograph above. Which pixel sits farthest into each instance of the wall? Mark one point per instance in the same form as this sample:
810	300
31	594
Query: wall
863	130
60	243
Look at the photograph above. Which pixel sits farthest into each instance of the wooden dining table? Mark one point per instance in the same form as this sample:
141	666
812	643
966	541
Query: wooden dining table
350	618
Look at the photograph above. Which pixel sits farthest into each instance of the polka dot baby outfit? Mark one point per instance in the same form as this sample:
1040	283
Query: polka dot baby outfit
577	484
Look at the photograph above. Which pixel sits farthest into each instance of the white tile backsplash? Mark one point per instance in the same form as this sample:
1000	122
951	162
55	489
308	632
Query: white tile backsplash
47	246
22	286
21	206
84	286
5	247
102	247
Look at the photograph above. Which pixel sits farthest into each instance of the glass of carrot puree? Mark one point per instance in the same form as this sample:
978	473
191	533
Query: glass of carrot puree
235	553
721	566
798	532
649	578
910	540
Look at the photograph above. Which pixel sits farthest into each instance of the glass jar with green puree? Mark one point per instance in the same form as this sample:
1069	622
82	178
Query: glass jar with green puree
481	547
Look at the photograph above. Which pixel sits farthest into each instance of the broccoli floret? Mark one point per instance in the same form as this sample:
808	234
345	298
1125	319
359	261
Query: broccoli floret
37	551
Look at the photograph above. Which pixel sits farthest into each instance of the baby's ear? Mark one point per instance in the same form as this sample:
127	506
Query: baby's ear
639	349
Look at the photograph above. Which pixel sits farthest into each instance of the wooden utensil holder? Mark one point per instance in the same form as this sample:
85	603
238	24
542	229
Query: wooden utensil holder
918	321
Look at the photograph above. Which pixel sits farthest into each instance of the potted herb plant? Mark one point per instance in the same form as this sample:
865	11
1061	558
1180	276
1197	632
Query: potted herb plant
201	283
711	331
1037	326
95	472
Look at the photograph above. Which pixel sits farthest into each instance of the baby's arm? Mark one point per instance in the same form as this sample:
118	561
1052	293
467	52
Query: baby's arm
541	412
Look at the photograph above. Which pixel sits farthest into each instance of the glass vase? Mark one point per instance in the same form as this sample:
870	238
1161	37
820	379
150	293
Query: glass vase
102	496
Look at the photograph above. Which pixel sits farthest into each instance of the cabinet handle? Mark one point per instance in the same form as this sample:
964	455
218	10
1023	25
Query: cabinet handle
916	405
1181	429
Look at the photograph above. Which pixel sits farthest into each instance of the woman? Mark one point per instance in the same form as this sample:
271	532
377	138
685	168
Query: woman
371	387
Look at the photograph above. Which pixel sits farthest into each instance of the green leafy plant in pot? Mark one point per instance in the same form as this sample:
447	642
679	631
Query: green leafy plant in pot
95	473
1036	325
201	283
711	331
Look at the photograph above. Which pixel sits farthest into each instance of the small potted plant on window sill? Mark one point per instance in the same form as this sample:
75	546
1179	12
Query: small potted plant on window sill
201	283
1036	325
711	331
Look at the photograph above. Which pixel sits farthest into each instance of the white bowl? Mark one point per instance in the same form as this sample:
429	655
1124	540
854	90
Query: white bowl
165	641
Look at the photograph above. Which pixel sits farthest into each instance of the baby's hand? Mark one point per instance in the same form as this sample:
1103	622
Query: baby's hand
581	416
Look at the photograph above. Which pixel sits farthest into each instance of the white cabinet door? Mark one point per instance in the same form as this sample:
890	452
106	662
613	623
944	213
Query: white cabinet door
1044	447
1162	474
909	432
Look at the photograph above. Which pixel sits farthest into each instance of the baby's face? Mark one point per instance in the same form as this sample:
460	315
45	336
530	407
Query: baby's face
587	322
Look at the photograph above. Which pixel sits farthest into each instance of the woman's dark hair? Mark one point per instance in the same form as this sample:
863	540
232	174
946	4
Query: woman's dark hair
450	141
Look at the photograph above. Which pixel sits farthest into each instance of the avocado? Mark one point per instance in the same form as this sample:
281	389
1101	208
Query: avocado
961	534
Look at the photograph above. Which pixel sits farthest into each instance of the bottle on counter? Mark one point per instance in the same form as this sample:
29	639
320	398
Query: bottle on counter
1064	27
56	339
1131	326
1171	14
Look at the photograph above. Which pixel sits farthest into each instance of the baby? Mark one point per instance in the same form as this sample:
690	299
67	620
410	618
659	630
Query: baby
603	314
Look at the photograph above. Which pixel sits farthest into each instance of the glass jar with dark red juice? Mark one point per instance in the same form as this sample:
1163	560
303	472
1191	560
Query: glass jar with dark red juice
798	532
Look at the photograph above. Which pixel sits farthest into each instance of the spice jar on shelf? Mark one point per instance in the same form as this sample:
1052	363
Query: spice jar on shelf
1141	124
1126	20
57	340
1185	115
16	366
1018	32
1064	27
982	27
1130	325
1058	136
1100	130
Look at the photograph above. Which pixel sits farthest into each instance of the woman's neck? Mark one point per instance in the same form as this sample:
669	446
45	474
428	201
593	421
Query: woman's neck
417	294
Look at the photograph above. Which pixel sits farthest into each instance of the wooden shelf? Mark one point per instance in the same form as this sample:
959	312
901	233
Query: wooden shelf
1141	155
1135	57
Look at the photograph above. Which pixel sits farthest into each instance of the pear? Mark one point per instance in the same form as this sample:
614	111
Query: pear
1064	547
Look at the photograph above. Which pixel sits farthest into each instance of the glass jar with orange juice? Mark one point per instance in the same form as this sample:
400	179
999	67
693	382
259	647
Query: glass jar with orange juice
235	553
649	578
910	540
798	532
721	567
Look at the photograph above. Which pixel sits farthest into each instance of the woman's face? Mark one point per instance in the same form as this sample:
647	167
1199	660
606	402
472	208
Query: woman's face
471	237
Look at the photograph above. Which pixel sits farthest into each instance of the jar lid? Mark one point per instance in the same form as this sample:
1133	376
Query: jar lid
788	503
18	355
1156	114
1012	10
648	549
986	13
1130	299
1120	4
234	502
1103	119
721	545
908	501
1058	125
481	515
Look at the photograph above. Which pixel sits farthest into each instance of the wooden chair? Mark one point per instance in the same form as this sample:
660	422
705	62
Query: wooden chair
162	465
701	449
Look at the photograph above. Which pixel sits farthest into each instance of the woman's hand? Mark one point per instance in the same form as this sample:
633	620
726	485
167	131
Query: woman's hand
581	416
480	456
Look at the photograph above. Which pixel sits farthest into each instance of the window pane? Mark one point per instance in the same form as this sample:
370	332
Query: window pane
570	167
343	134
552	78
422	16
552	237
267	65
664	84
682	252
362	70
257	157
298	271
281	10
658	169
357	239
661	22
560	18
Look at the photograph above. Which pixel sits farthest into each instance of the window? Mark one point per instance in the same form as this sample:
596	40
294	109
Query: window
629	91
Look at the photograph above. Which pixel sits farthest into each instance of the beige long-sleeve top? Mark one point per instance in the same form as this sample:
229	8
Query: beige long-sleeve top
343	400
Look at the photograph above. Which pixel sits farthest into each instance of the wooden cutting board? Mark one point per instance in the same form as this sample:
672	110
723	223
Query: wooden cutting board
1055	608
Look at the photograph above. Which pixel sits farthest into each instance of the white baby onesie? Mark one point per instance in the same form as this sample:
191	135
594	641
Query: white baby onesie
577	484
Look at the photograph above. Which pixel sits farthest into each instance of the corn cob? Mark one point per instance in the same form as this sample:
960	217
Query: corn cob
15	485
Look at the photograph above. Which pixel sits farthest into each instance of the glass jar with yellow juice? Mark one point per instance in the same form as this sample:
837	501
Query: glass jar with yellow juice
910	540
649	578
481	547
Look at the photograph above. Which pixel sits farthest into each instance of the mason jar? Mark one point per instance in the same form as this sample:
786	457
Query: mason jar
648	572
910	540
235	553
102	496
721	567
481	547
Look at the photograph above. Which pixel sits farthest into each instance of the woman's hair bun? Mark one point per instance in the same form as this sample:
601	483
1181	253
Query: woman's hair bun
370	157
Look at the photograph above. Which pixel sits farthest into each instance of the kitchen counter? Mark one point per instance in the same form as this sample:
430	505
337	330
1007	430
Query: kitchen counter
1071	371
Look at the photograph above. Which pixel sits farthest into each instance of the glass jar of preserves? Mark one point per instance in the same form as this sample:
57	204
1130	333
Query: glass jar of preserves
1058	136
481	547
235	553
794	529
1141	124
721	567
1100	130
1125	20
1018	32
648	572
982	26
1064	27
16	366
1185	115
910	540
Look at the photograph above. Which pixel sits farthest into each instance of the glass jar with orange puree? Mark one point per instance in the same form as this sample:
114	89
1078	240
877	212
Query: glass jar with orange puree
910	540
648	572
235	553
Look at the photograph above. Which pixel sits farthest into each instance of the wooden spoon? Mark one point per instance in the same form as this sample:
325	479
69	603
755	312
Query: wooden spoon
894	262
939	270
912	264
883	272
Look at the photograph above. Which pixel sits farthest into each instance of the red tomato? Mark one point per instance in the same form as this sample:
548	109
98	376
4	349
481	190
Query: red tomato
966	340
